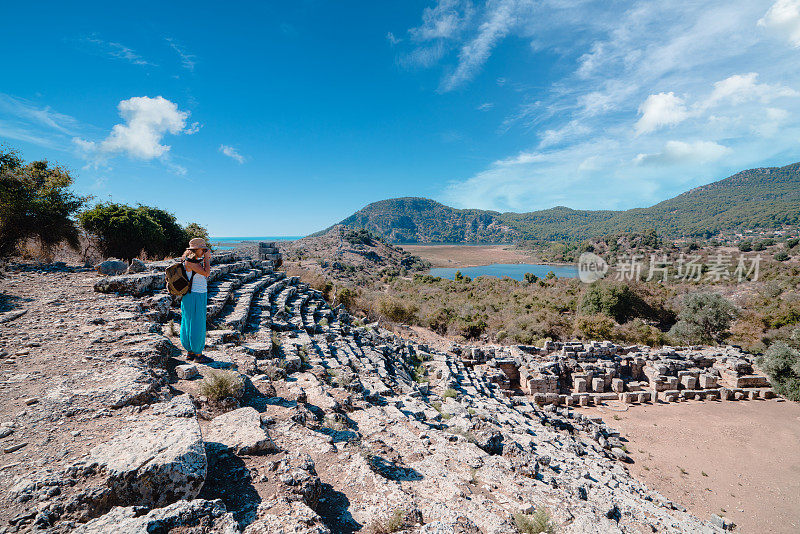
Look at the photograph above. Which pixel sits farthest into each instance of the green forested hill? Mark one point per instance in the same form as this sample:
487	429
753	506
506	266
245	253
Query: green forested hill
412	220
756	198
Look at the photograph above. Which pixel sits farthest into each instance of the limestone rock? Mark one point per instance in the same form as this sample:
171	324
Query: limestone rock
137	266
131	284
198	516
185	372
239	430
154	461
111	266
275	517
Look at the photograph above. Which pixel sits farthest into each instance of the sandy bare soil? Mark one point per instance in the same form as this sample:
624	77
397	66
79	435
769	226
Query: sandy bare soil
736	459
469	255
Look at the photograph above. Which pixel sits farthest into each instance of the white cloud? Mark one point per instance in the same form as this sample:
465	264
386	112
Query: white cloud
486	106
443	21
784	18
117	51
188	61
663	109
231	153
502	16
147	121
743	87
646	100
392	39
679	152
44	116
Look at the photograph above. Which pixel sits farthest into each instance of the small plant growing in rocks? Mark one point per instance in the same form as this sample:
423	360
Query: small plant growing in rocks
540	521
393	523
449	393
220	385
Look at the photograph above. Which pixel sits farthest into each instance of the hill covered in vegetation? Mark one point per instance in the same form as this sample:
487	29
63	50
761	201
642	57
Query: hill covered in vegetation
755	198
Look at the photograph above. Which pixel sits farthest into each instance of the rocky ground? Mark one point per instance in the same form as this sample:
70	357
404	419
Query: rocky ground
338	428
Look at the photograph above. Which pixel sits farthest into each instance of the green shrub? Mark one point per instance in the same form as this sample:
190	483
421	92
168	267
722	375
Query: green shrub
175	237
617	301
394	310
782	364
123	231
218	385
746	246
704	318
393	523
539	521
781	256
346	297
594	327
449	393
35	202
193	230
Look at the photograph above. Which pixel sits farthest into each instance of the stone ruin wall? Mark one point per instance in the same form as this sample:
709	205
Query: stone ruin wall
574	373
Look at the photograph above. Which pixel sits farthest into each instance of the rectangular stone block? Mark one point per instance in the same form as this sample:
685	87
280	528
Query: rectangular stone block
725	394
584	400
754	394
617	385
712	394
707	381
579	385
688	382
598	385
627	398
672	382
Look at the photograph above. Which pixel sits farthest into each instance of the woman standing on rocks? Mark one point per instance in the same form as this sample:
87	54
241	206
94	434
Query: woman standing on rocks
196	259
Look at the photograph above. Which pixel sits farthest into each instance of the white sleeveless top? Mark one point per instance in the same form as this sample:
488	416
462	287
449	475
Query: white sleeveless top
199	282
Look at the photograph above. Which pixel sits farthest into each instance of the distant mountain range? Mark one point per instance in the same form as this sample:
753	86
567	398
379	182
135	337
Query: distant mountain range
755	198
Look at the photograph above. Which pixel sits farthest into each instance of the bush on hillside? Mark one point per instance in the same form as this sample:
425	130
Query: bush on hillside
195	230
617	301
704	319
782	364
596	327
396	311
175	238
35	202
123	231
126	232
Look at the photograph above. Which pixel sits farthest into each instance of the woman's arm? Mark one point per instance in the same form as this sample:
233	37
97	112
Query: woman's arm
203	268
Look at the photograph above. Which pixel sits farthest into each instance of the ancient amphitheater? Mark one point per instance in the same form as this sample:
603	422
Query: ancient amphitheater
341	427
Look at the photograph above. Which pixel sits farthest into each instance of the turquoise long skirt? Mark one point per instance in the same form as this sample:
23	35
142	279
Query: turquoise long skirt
193	322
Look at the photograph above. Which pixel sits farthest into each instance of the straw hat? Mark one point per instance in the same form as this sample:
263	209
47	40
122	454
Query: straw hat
197	243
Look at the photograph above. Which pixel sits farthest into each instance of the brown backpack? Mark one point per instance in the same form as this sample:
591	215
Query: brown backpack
177	282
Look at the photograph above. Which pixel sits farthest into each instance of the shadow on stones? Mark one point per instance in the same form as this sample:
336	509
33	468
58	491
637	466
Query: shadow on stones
335	511
393	470
229	479
11	302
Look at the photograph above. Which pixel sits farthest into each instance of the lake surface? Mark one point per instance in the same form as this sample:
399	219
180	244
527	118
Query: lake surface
512	270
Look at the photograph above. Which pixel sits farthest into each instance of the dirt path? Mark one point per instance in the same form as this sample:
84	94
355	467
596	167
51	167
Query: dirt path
736	459
469	255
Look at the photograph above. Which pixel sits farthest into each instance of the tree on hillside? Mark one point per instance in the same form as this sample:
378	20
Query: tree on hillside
35	202
782	364
175	240
193	230
704	319
123	231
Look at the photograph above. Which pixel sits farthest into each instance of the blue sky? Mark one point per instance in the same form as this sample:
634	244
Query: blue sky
283	118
